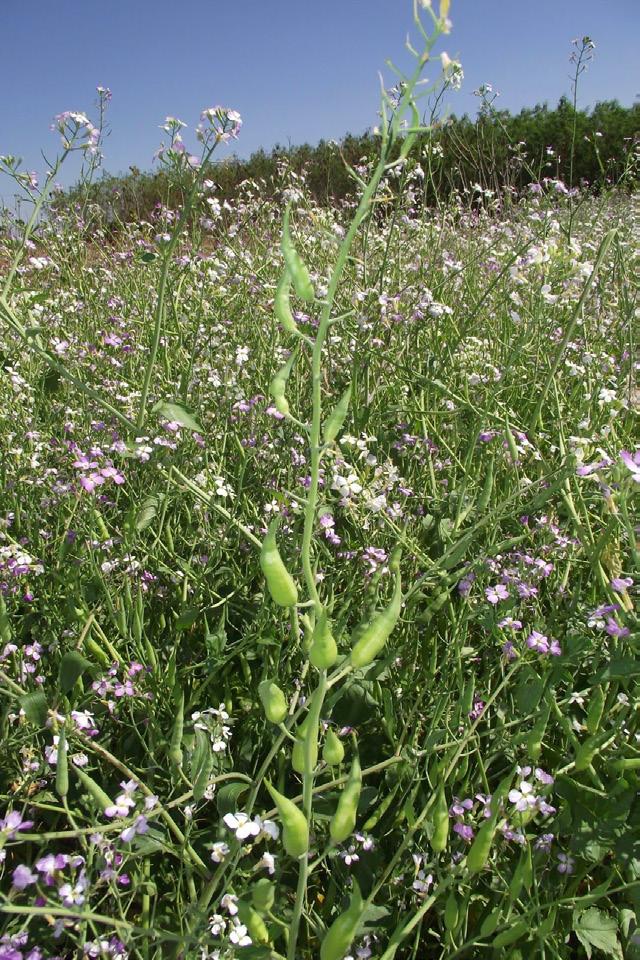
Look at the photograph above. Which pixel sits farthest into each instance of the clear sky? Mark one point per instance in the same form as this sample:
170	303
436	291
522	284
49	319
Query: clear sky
297	70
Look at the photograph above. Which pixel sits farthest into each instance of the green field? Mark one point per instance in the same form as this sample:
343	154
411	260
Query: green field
330	504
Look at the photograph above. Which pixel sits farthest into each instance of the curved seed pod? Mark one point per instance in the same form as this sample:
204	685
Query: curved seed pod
333	423
299	273
278	386
440	835
175	746
281	305
280	583
263	895
511	442
305	731
534	740
466	702
588	750
376	634
344	819
254	923
487	489
295	829
451	912
481	847
340	934
596	709
511	934
95	792
333	750
323	652
273	701
62	766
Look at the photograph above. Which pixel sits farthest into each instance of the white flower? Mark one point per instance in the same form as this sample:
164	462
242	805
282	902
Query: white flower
268	828
523	798
242	825
230	903
217	925
268	863
219	851
240	936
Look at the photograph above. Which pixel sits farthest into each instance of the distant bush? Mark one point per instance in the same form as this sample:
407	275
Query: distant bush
494	152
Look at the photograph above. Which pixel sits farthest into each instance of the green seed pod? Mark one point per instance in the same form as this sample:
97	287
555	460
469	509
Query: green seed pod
62	765
596	709
333	750
305	731
480	849
340	934
490	923
254	923
344	819
5	625
511	442
323	652
587	750
273	701
95	792
377	632
451	912
295	829
298	271
511	934
263	895
280	583
281	305
522	875
466	702
487	489
175	745
333	423
440	819
626	763
534	740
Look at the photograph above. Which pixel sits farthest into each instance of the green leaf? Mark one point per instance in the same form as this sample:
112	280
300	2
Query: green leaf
35	708
187	618
596	929
179	413
72	666
227	797
147	512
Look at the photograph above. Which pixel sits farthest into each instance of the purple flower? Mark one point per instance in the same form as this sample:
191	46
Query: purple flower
464	831
23	877
615	630
538	642
620	584
632	462
565	863
12	822
543	843
496	593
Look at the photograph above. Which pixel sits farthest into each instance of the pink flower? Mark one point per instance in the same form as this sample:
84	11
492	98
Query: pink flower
496	593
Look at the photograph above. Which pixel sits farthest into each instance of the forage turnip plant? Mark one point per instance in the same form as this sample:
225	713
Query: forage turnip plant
318	549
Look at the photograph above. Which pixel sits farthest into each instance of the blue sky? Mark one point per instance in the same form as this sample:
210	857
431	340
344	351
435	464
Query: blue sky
297	70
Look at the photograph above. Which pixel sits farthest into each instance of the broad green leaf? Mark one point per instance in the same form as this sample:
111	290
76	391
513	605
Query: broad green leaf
147	512
596	929
179	413
72	666
35	708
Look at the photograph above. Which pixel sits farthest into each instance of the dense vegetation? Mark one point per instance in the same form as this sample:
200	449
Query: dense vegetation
317	567
496	152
